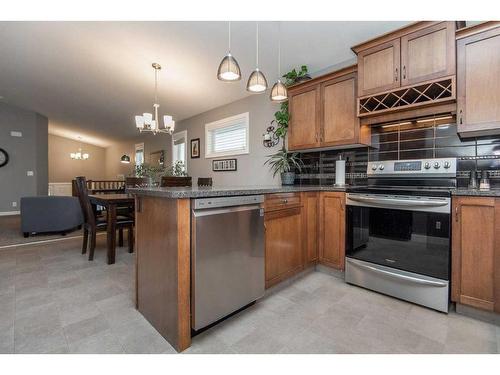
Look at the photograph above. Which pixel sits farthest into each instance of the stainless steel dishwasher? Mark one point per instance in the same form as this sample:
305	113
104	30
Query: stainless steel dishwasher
227	256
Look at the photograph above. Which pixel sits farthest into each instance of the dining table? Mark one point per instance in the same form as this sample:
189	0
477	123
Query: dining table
111	202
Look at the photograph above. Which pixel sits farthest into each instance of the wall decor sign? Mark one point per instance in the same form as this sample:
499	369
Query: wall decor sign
195	148
224	165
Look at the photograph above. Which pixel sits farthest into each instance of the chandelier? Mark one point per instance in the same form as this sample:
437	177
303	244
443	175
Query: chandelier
79	155
149	122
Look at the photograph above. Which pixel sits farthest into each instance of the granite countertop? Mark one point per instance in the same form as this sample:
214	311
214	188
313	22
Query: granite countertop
225	191
476	192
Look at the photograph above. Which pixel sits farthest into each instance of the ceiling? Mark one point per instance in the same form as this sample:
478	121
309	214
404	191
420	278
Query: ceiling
91	78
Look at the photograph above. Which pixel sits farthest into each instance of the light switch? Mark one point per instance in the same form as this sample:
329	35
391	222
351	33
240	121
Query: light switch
16	134
14	204
30	173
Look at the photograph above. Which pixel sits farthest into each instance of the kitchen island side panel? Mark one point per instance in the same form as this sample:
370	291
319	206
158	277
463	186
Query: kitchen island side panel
163	266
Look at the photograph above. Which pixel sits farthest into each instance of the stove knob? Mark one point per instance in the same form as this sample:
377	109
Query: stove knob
447	164
381	167
427	165
436	165
374	167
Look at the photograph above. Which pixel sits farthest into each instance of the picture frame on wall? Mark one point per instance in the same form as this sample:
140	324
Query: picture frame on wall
195	148
225	165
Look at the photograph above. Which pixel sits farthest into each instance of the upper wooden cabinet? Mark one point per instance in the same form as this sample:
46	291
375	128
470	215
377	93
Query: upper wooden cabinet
332	229
323	113
475	266
408	68
428	53
304	109
478	80
378	68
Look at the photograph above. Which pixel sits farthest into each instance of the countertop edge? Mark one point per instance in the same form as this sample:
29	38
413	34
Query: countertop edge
226	192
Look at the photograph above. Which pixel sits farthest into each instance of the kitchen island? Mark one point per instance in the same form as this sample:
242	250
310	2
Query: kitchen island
163	256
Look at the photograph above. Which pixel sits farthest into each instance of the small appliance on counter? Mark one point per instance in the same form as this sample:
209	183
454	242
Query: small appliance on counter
340	172
484	184
473	180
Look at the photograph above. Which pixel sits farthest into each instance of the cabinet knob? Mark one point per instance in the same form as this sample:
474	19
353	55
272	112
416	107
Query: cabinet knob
461	116
285	201
404	71
396	75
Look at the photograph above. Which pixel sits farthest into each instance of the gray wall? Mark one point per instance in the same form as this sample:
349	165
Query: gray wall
251	170
27	153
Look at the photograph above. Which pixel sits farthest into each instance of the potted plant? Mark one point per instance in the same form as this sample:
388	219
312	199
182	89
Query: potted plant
294	76
176	176
144	175
285	163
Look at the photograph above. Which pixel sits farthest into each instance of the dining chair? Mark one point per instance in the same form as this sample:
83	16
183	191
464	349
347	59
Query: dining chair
93	224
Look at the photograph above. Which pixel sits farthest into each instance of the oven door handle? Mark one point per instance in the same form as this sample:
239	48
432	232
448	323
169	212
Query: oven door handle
399	202
401	277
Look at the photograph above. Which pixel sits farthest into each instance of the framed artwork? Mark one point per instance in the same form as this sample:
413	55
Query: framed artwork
224	165
195	148
157	158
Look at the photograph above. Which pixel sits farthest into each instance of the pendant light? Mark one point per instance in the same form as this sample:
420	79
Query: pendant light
150	122
125	159
257	82
279	92
229	70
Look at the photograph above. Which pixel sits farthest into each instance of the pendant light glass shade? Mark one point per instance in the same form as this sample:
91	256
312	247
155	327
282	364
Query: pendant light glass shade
257	82
279	93
229	70
125	159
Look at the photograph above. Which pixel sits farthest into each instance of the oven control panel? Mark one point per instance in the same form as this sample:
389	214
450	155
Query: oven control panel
439	167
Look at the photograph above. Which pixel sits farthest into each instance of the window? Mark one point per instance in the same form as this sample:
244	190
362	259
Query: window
139	153
179	149
228	136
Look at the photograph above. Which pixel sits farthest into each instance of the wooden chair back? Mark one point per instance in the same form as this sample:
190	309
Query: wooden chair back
83	196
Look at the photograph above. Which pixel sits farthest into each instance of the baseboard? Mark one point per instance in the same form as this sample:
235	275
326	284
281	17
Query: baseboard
10	213
472	312
330	271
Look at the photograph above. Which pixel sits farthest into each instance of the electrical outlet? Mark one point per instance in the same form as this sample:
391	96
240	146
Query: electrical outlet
30	173
14	204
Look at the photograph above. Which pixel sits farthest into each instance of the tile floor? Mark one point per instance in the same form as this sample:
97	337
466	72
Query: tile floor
52	300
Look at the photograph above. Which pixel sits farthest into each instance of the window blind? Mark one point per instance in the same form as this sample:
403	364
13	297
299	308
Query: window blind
227	137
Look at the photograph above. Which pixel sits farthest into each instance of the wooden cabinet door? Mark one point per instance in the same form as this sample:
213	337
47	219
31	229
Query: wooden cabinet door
340	124
283	244
475	236
332	229
310	226
304	109
428	53
478	82
379	68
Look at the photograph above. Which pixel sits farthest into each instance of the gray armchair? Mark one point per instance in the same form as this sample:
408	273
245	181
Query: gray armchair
50	214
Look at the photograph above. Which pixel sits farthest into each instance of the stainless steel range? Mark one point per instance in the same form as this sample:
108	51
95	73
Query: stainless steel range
398	230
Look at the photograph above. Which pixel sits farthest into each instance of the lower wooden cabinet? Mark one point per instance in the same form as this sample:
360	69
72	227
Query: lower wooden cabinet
475	266
310	227
284	251
332	229
303	230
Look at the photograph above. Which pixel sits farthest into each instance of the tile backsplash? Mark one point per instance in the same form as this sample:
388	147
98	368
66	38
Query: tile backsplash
418	139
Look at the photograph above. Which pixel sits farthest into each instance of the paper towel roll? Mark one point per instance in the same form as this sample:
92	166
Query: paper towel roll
340	172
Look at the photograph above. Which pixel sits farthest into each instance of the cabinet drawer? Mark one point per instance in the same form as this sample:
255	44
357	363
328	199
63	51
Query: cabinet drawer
281	201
